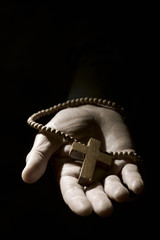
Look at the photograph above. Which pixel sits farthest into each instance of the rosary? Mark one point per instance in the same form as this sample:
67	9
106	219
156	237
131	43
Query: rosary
91	154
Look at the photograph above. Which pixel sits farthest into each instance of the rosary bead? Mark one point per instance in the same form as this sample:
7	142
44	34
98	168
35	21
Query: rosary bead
90	100
95	100
48	129
40	126
72	103
43	128
81	100
100	101
36	125
59	106
109	103
104	101
86	100
64	105
113	104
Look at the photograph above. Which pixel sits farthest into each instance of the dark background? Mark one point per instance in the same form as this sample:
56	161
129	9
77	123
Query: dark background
41	51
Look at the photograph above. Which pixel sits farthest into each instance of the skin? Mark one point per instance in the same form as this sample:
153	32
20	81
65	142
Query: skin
82	123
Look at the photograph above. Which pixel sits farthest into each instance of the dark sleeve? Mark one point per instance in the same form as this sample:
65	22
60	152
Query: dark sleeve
101	71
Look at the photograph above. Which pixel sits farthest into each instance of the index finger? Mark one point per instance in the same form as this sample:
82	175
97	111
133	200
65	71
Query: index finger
37	159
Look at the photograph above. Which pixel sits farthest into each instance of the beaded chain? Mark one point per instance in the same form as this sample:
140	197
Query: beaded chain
70	103
129	156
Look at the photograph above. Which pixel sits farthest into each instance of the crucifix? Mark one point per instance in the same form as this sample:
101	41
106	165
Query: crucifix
91	155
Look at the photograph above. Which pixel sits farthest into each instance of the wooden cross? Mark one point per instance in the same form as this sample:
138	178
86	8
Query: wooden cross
91	155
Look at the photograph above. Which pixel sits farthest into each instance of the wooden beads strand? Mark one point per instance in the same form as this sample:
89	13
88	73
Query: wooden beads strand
70	103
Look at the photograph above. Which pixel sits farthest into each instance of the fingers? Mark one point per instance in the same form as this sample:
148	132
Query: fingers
83	201
100	202
94	198
83	204
132	178
74	196
36	161
115	189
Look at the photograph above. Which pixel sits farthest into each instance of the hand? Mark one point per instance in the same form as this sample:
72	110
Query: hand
82	123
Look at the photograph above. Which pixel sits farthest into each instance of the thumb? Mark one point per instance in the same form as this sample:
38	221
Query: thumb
37	159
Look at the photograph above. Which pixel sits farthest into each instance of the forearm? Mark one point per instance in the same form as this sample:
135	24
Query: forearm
103	77
99	74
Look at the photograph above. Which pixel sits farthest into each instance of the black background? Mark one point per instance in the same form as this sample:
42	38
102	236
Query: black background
40	50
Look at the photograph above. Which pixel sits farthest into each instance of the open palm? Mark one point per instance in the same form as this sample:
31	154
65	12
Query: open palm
83	123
